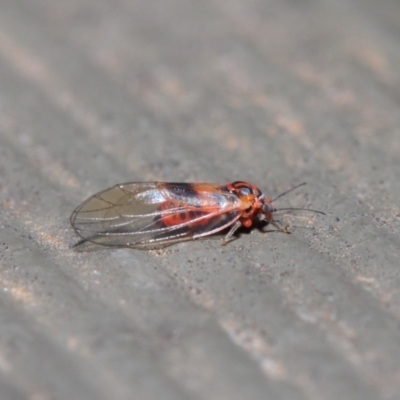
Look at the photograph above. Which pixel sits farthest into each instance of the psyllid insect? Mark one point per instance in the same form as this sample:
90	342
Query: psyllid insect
152	214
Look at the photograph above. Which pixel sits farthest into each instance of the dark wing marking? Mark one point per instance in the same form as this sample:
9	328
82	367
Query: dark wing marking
132	214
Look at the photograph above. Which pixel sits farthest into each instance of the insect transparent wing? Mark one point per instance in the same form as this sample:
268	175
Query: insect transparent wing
201	226
109	216
132	214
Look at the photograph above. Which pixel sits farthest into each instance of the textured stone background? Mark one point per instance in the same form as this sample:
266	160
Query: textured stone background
275	92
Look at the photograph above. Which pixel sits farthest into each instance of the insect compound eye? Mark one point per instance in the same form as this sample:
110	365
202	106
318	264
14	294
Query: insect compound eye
268	208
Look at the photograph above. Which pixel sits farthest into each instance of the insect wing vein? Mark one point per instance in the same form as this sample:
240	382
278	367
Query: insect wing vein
141	213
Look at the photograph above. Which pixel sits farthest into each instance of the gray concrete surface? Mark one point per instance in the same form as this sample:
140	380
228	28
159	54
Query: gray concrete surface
274	92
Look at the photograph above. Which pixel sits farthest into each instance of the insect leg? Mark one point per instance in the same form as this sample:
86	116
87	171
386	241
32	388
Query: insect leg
228	236
286	229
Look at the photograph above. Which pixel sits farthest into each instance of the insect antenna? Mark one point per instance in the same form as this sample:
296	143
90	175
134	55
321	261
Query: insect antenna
300	209
288	191
295	208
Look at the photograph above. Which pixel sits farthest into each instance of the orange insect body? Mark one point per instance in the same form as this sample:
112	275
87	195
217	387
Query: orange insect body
152	214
